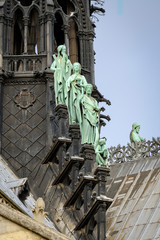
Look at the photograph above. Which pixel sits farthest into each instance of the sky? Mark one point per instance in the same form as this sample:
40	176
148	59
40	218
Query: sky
127	69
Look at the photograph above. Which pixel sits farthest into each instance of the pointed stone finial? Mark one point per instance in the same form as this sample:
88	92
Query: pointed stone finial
38	211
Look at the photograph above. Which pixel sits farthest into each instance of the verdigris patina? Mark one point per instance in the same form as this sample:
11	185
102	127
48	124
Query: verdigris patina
90	118
74	93
62	70
102	153
134	135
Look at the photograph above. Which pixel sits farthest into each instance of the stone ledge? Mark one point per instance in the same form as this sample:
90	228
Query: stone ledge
30	224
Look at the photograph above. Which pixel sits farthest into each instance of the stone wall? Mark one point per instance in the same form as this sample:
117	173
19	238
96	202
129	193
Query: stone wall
15	225
12	231
24	126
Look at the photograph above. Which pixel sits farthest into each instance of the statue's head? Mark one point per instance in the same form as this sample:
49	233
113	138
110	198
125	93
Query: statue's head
40	204
76	67
136	127
61	48
102	141
88	88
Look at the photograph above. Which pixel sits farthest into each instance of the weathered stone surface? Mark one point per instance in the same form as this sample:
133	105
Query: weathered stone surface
24	132
15	225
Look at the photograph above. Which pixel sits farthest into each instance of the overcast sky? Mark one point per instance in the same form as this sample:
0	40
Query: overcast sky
128	67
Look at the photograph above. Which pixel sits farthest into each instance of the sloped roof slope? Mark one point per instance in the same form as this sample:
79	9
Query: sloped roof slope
9	188
135	211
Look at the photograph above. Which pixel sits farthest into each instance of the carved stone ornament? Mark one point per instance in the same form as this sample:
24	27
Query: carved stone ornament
133	151
24	99
3	201
38	212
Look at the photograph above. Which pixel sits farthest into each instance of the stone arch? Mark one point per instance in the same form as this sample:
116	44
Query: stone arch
59	37
81	12
17	42
33	6
18	6
19	66
29	65
74	45
33	41
60	12
67	6
26	3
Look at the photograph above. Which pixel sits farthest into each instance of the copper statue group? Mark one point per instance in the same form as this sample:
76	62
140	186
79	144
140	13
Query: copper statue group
74	91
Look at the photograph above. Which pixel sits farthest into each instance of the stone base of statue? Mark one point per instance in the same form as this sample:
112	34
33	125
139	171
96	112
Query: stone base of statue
102	172
75	135
88	153
62	117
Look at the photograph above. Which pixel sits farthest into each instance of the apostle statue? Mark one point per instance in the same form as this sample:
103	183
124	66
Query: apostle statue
62	70
90	118
102	153
134	135
74	92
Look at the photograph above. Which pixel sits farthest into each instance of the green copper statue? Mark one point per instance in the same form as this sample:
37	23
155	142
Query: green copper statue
62	70
102	153
90	118
74	93
134	135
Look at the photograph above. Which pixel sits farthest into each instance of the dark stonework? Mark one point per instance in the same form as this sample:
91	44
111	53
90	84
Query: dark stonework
51	131
101	222
75	135
88	153
23	129
47	32
74	174
61	113
1	112
102	173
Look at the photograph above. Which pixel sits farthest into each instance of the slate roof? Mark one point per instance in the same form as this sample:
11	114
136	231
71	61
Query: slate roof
9	188
135	211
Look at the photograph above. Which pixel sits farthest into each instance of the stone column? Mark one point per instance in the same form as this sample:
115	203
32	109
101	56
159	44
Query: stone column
49	38
74	133
87	196
62	117
66	39
25	35
1	42
8	35
75	174
101	173
49	106
87	7
88	153
73	47
42	34
91	56
80	36
101	222
1	107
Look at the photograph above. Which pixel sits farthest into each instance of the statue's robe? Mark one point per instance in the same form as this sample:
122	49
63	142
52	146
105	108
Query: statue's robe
90	120
134	137
101	154
74	92
62	70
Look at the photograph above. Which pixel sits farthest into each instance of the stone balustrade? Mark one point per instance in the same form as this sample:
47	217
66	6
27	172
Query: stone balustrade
133	151
21	63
